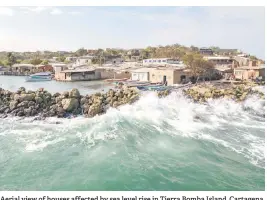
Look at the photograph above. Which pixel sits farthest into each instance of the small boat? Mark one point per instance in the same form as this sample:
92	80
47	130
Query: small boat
43	76
116	80
137	84
153	87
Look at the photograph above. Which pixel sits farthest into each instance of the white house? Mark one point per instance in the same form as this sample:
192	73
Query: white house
141	74
58	67
71	59
84	60
160	61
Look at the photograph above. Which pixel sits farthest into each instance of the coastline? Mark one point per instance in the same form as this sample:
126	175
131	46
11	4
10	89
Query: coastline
42	104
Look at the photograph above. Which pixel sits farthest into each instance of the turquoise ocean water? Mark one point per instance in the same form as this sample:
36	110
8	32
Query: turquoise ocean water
155	144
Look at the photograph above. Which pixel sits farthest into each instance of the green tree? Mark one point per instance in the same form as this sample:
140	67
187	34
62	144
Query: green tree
197	65
2	63
36	61
61	59
11	59
44	62
80	52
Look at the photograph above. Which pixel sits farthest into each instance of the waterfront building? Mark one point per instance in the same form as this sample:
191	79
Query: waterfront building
22	68
169	75
141	74
58	67
109	73
78	75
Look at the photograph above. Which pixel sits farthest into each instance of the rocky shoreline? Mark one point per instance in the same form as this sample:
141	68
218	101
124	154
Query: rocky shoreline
236	92
42	104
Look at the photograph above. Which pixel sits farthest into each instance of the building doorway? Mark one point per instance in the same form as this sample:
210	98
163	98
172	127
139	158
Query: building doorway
182	78
165	80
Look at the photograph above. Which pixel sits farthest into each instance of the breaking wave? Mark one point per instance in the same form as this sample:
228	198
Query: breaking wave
239	127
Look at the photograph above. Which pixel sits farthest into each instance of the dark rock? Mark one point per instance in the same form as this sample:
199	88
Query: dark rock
20	113
23	104
74	93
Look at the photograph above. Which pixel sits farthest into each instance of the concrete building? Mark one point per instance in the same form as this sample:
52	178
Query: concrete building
205	51
23	68
58	67
113	60
160	61
84	60
249	72
219	60
43	68
170	76
107	73
78	75
141	74
71	59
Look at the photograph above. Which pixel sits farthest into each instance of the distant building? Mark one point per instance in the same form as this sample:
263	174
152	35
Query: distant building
219	60
71	59
160	61
84	60
249	72
240	61
227	52
78	75
205	51
113	59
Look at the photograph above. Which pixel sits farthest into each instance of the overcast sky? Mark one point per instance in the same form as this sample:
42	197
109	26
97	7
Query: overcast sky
69	28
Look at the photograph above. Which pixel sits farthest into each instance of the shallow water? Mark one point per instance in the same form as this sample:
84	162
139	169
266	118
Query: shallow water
12	83
154	144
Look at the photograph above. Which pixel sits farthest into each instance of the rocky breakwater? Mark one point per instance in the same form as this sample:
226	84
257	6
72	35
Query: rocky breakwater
44	104
202	93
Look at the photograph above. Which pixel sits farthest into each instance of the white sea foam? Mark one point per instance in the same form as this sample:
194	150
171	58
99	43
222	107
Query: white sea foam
220	121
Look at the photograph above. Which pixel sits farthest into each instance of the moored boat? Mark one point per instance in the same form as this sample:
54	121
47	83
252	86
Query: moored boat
116	80
43	76
159	87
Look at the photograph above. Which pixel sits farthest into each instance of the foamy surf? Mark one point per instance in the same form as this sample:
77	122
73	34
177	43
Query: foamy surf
154	134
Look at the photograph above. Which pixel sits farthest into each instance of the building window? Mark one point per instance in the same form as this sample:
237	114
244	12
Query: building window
149	60
163	60
145	60
159	61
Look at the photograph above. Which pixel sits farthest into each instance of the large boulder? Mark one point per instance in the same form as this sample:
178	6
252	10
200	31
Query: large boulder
70	104
24	97
13	105
38	99
74	93
23	104
94	110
